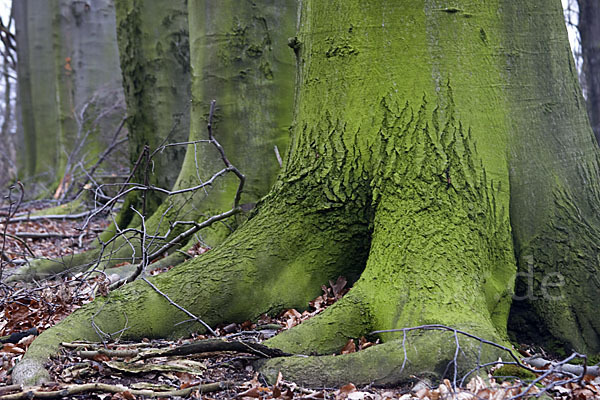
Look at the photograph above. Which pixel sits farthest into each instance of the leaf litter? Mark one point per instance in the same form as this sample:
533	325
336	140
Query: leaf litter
126	371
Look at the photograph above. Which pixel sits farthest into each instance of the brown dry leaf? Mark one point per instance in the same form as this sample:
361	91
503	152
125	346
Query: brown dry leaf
345	391
292	313
128	395
425	392
246	325
350	347
197	250
583	394
363	343
476	384
288	395
12	348
484	393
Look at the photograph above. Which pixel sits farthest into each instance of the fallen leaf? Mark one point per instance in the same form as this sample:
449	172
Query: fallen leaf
128	395
345	391
11	348
350	347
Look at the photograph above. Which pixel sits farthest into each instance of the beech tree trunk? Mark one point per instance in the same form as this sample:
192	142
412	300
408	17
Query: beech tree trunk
436	152
155	59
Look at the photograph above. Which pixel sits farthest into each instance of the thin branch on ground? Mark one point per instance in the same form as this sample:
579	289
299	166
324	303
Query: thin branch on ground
71	390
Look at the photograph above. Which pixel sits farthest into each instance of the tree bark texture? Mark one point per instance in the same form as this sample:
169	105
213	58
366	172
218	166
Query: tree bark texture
436	150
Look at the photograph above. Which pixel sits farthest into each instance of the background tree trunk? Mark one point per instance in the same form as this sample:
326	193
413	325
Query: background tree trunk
70	87
37	86
554	184
239	57
589	31
154	50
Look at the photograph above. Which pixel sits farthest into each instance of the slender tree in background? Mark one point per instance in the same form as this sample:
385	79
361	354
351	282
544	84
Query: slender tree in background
70	89
7	130
436	152
589	31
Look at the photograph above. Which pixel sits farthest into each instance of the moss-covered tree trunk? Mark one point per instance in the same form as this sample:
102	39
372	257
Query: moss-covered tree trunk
154	49
426	139
69	84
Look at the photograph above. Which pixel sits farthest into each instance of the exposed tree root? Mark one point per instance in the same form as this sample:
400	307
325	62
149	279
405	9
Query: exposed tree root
277	260
428	354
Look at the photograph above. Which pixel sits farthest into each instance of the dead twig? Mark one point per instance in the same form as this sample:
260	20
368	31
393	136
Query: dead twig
71	390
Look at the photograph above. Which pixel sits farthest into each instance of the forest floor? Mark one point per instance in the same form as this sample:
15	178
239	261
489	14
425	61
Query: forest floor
150	369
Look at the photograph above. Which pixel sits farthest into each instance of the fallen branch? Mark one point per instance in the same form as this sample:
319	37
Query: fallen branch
203	346
215	345
10	388
45	235
71	390
539	362
16	336
90	354
43	217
